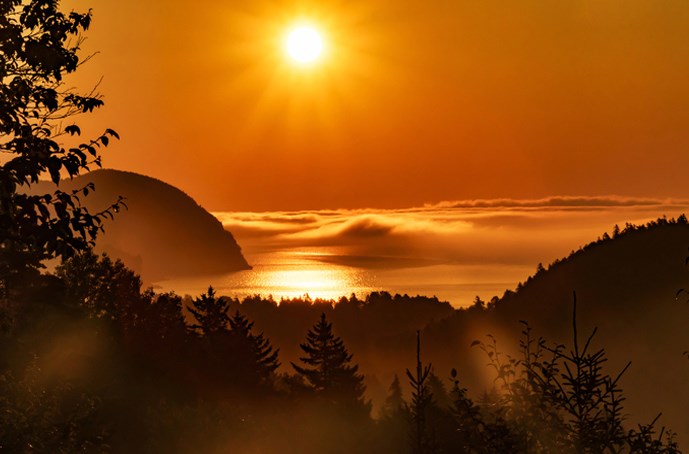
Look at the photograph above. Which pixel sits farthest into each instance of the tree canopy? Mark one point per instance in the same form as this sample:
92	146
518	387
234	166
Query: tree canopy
328	366
39	46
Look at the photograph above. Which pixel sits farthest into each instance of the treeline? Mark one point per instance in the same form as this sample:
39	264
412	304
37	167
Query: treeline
90	362
627	231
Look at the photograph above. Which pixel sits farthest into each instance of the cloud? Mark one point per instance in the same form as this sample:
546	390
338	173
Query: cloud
559	202
365	227
501	231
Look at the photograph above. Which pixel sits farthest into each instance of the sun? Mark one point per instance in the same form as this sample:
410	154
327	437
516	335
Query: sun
304	44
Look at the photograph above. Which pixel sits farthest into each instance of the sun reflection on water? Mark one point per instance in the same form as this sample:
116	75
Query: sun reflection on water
285	274
318	274
295	274
318	283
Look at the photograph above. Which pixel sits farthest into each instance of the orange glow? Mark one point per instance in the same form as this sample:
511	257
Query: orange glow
418	103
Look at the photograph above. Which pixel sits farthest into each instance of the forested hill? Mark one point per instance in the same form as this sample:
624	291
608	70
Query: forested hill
164	233
626	285
618	271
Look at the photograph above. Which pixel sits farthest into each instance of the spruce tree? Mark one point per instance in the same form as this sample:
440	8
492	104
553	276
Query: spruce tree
210	314
394	404
260	360
328	368
421	401
394	420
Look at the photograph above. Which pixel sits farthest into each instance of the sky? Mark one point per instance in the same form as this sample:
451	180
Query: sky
412	103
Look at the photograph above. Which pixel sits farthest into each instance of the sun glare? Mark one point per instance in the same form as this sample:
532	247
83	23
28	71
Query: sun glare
304	44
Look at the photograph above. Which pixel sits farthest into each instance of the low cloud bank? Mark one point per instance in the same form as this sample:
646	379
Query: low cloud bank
473	232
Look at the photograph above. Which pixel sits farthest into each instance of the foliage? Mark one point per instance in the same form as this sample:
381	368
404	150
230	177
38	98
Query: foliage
328	369
39	45
210	313
158	316
161	386
252	350
101	286
468	426
48	417
559	400
394	404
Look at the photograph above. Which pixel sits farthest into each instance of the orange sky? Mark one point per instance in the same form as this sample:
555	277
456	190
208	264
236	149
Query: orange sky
416	102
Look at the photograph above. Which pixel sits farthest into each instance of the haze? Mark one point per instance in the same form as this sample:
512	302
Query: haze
419	103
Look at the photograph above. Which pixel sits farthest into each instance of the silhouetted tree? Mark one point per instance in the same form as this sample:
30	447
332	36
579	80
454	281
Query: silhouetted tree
105	288
421	401
39	45
254	351
438	391
210	313
559	400
329	369
157	319
466	418
393	423
41	415
394	402
479	303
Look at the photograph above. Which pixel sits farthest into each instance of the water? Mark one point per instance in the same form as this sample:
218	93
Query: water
290	274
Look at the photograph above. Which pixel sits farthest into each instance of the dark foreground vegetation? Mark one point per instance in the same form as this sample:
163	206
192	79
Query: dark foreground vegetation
90	362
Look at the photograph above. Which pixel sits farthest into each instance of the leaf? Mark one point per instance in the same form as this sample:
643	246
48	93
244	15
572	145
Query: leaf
44	211
54	166
73	129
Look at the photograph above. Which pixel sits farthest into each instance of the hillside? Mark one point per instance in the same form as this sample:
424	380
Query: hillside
626	287
164	233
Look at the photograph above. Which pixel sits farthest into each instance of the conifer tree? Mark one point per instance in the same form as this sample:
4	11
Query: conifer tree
210	314
394	420
328	367
261	360
394	404
421	401
441	398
